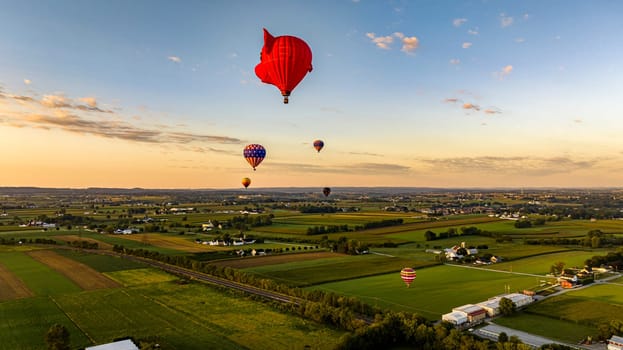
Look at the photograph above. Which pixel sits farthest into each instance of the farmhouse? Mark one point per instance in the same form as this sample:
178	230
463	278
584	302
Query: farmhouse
615	343
474	313
519	299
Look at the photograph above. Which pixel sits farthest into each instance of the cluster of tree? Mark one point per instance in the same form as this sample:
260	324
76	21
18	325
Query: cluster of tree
320	230
84	244
378	224
348	246
607	210
453	232
314	209
244	221
593	239
612	258
607	330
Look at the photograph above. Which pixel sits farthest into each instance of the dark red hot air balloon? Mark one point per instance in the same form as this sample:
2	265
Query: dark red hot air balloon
284	62
318	144
326	191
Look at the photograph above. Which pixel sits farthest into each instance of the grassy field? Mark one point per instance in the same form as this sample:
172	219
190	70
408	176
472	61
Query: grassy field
435	291
39	278
549	327
79	273
177	316
540	264
100	263
305	273
12	287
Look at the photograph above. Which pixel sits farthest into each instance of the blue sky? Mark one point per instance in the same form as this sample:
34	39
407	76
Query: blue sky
404	93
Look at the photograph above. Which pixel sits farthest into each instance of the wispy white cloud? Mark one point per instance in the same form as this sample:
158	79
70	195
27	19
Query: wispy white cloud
59	112
457	22
505	71
469	105
521	165
382	42
578	121
175	59
455	61
27	81
473	31
466	45
409	43
520	40
505	20
525	16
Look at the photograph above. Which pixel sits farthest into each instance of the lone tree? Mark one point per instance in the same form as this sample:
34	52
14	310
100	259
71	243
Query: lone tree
57	337
507	307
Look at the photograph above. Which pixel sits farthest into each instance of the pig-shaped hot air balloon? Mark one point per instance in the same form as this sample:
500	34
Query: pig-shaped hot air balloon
284	62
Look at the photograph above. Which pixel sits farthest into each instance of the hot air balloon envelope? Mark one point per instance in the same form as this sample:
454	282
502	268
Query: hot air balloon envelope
408	275
326	191
246	182
284	62
254	154
318	144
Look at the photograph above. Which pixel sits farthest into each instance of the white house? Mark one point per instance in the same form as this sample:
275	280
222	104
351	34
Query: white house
474	313
455	317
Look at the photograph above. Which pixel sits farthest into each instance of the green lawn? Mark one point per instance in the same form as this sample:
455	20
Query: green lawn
305	273
39	278
435	291
100	263
24	322
549	327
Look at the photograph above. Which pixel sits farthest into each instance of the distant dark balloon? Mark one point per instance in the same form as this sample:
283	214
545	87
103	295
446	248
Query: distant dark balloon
284	62
408	275
326	191
318	144
246	182
254	154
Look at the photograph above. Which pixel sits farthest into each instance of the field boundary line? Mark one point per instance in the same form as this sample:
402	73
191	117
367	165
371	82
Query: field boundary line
71	319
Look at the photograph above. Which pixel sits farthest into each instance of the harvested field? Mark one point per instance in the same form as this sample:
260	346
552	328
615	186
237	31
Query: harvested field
12	287
171	242
82	275
71	238
255	261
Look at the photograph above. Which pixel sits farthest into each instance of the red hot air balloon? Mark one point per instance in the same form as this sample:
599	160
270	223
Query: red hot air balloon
254	154
408	275
318	144
326	191
284	62
246	182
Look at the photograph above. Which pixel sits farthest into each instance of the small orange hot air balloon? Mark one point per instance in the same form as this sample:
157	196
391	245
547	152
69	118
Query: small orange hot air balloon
408	275
318	144
246	182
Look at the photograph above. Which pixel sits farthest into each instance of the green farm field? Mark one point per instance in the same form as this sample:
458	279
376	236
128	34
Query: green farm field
435	291
177	316
38	277
310	272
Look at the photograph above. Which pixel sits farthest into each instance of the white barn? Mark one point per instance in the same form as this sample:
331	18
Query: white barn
615	343
455	317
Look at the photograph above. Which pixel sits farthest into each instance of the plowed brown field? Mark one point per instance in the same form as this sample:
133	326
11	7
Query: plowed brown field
81	274
12	287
